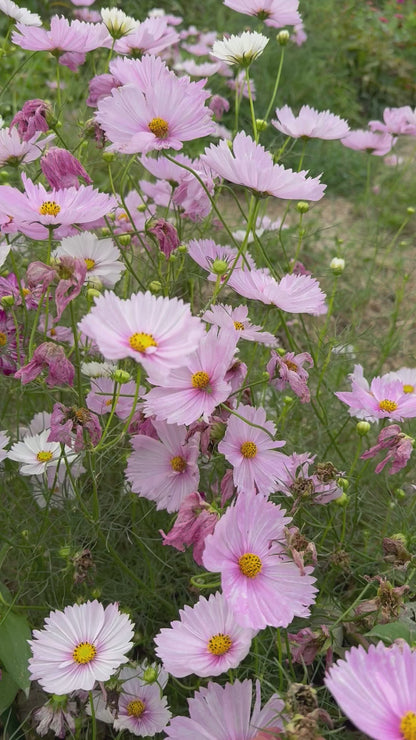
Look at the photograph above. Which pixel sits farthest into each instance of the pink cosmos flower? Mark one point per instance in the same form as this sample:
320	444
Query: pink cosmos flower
194	522
396	121
157	332
195	389
259	581
52	331
275	13
62	169
288	370
316	486
207	254
206	641
224	713
103	393
406	375
164	470
63	36
236	321
51	357
293	293
251	451
33	211
310	123
369	141
32	119
193	69
99	87
141	708
219	106
151	36
158	116
383	399
376	690
399	447
239	85
251	165
14	150
79	646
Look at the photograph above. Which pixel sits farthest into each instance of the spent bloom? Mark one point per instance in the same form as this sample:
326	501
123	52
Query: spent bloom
310	123
80	645
399	447
252	451
241	50
73	425
251	165
224	713
32	119
382	399
262	585
24	16
376	690
317	486
194	522
62	169
288	370
157	332
51	357
275	13
206	641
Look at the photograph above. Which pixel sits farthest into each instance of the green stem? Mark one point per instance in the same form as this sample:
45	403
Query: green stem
250	100
276	85
93	720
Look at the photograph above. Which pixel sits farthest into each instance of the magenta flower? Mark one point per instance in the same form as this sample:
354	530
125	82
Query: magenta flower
157	332
310	123
398	445
252	451
206	641
194	522
236	321
79	646
51	357
275	13
259	581
63	36
224	713
195	389
62	169
69	273
376	690
369	141
164	470
383	399
32	119
251	165
288	370
33	211
99	87
157	116
165	235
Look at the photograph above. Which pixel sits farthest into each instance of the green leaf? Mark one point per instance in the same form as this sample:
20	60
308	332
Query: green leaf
14	649
8	690
393	631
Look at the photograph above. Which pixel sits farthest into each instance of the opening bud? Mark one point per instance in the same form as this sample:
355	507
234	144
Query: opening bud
302	206
362	428
341	500
182	249
105	231
337	265
142	207
343	483
283	37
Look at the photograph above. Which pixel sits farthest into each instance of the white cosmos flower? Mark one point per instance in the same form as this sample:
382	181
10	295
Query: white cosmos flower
118	23
35	453
99	255
98	369
4	440
242	49
20	14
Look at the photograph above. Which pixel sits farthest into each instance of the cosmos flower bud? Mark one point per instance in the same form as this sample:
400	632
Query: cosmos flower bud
362	428
302	206
337	265
261	124
219	267
283	37
121	376
92	293
124	240
7	301
155	286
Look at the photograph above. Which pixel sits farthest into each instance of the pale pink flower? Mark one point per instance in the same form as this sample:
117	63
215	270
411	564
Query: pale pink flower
164	470
52	331
259	581
99	87
141	708
275	13
206	641
79	646
293	293
376	690
158	332
369	141
194	522
63	36
310	123
219	106
207	253
194	390
203	44
57	716
62	169
263	224
14	150
299	35
251	165
383	399
224	713
103	394
193	69
396	121
399	447
288	370
252	451
239	85
406	375
236	321
151	36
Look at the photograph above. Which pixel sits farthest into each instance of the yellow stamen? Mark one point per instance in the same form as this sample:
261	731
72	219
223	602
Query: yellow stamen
44	456
408	726
25	291
85	652
135	708
159	127
3	339
178	464
250	564
49	208
386	405
238	325
408	389
52	332
141	342
109	402
200	380
89	263
291	365
219	644
248	449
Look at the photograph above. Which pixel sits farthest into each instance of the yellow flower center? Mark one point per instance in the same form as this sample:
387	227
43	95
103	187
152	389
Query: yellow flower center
109	402
3	338
25	291
141	342
291	365
178	464
135	708
238	325
85	652
200	380
250	564
159	127
49	208
44	456
408	388
248	449
386	405
89	263
408	726
52	332
219	644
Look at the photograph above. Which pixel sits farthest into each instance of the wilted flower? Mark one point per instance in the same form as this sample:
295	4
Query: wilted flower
287	370
51	357
62	169
194	522
399	446
165	234
32	119
72	425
